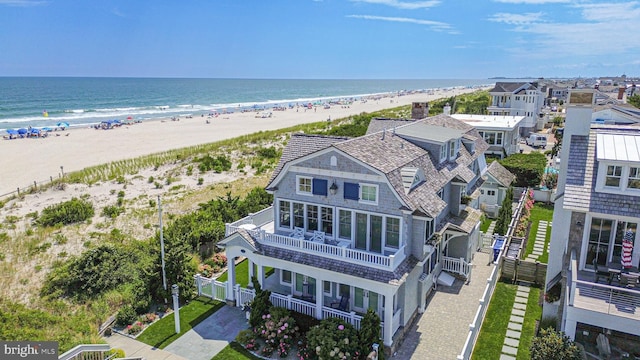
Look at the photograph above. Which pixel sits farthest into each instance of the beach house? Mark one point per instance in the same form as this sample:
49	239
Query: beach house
595	250
502	133
517	99
365	223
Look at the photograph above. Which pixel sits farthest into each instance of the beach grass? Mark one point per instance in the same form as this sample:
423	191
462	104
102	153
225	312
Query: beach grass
162	333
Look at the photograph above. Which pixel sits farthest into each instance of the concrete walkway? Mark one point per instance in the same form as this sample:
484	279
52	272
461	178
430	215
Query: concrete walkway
514	328
538	245
135	348
202	342
441	331
210	336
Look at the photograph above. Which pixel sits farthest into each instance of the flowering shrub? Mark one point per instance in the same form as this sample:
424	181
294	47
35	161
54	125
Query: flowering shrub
248	339
278	331
205	270
333	338
148	318
216	262
135	328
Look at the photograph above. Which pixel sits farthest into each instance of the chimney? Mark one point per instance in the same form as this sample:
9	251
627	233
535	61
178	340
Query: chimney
419	110
446	109
621	91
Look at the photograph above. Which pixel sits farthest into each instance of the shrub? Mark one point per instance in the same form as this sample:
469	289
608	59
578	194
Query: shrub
553	345
248	338
68	212
134	328
260	304
150	180
333	338
369	333
112	211
528	168
218	164
278	331
126	315
200	181
268	153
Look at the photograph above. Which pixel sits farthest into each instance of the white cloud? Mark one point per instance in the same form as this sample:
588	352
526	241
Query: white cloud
404	5
434	25
610	11
23	3
516	19
533	2
118	13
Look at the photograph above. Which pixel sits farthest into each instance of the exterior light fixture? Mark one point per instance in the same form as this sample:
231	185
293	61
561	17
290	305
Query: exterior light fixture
333	188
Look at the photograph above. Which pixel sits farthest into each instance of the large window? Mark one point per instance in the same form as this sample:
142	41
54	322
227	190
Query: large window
298	215
344	225
634	178
327	220
304	185
285	213
605	241
312	217
492	137
393	232
452	149
614	174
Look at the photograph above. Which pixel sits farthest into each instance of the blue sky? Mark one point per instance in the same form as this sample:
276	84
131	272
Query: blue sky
334	39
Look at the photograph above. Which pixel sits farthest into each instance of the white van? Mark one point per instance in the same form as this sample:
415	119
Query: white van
535	140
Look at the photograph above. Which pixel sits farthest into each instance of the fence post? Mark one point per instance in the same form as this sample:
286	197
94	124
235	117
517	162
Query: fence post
237	292
199	283
352	318
289	297
18	191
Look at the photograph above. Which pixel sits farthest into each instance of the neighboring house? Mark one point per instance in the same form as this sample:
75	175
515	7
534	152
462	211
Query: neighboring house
622	114
502	133
367	222
598	205
557	93
517	99
493	188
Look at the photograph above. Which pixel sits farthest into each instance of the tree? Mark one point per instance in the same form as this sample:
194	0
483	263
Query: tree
178	265
634	100
553	345
369	334
504	215
260	304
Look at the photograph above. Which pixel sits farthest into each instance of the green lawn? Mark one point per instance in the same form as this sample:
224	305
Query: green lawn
539	212
162	332
534	312
234	351
242	273
494	327
484	225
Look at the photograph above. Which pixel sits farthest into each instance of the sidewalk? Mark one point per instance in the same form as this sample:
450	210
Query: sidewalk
135	348
202	342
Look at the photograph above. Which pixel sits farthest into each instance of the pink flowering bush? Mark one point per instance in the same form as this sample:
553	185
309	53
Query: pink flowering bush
135	328
278	331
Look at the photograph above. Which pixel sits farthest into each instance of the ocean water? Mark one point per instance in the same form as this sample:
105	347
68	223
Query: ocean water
24	101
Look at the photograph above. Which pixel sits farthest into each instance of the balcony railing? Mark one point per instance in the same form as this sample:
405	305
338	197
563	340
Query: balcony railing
340	251
602	298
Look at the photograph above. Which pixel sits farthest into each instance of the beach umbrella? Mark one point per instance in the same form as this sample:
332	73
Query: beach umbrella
627	249
129	118
22	131
62	124
12	132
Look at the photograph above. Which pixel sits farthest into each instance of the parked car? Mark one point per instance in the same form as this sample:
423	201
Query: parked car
535	140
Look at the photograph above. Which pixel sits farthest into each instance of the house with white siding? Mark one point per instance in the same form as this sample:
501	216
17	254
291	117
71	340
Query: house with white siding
365	223
517	99
595	228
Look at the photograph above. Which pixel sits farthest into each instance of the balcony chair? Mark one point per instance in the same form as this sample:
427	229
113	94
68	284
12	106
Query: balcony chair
629	281
342	305
318	236
298	233
600	272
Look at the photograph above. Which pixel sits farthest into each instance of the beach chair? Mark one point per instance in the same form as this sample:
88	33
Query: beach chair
298	233
318	236
600	272
342	305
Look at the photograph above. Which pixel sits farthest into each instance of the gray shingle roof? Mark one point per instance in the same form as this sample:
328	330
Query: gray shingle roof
379	124
501	174
511	86
302	145
580	194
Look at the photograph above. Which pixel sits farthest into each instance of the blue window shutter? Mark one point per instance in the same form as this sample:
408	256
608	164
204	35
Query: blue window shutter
319	187
351	191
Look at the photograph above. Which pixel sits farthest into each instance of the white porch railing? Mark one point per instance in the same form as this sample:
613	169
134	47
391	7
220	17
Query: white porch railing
387	262
80	351
458	266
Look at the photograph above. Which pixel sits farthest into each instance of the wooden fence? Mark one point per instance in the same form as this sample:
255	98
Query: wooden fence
521	270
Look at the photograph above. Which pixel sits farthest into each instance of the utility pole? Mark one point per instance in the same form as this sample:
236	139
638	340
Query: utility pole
164	274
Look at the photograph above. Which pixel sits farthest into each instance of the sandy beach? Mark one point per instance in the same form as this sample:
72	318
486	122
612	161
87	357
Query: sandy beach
37	159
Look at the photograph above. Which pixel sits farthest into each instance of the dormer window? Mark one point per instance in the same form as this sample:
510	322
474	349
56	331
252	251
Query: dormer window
443	152
634	178
618	178
452	149
614	174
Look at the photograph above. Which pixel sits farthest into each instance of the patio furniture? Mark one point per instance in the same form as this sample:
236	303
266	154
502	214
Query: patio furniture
298	233
318	236
341	305
628	280
600	272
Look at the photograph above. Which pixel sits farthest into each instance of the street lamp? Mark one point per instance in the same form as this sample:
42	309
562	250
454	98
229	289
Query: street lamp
176	307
